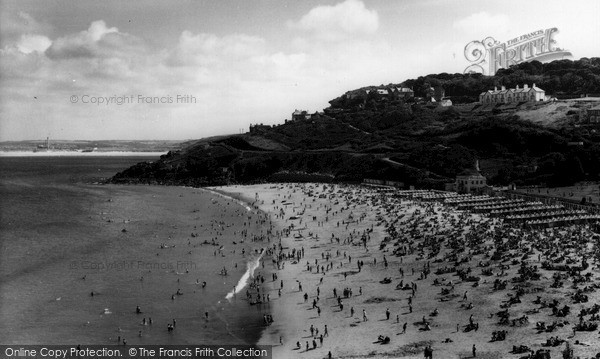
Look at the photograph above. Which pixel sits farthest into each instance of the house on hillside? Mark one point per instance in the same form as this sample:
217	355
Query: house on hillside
300	115
404	93
470	180
503	95
258	128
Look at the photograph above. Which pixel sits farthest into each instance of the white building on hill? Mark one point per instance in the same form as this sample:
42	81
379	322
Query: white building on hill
524	94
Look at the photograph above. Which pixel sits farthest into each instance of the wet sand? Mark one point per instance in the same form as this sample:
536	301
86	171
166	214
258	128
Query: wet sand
156	241
434	241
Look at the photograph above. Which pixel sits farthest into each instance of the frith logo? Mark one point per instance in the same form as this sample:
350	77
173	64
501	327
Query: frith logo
489	55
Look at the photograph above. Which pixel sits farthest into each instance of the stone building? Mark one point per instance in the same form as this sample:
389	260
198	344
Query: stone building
470	180
503	95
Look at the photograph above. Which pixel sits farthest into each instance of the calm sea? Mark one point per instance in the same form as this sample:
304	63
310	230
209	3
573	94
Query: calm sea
64	238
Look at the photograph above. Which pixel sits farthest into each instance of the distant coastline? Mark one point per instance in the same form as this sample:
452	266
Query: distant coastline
78	153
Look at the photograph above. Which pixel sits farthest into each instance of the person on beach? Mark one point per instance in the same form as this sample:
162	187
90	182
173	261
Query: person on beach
364	316
474	350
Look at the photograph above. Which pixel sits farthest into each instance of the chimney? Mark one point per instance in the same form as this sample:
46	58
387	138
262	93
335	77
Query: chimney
534	84
503	88
495	88
526	86
517	87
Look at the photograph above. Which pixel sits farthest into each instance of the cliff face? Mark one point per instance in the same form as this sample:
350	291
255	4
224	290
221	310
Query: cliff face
379	134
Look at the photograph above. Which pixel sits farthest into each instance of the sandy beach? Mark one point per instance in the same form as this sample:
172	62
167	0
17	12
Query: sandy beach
311	269
430	276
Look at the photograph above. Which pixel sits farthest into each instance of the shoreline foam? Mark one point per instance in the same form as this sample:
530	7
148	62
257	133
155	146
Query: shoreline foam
129	233
244	280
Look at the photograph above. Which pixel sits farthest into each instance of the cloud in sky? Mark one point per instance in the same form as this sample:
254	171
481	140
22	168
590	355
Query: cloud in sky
15	25
236	78
338	22
239	72
30	43
484	23
98	41
209	49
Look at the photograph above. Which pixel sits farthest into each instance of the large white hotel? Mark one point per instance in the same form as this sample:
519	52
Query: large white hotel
503	95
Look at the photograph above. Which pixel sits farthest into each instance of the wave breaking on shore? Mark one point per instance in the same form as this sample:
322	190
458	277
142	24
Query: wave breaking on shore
242	203
243	282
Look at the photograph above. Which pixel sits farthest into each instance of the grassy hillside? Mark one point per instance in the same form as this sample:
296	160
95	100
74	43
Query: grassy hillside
410	140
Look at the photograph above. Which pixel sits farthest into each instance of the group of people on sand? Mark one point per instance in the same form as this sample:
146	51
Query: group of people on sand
460	250
458	255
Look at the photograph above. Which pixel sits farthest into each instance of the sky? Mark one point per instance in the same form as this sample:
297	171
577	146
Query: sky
178	70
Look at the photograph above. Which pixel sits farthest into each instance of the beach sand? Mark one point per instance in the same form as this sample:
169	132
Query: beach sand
134	231
317	209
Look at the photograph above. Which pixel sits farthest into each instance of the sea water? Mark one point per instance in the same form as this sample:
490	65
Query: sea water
77	258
